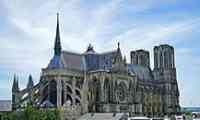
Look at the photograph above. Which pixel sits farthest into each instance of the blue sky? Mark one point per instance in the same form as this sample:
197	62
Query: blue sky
27	32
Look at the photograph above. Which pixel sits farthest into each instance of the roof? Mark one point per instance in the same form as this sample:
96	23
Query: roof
94	62
102	116
140	118
73	60
100	61
68	60
85	61
143	73
56	62
5	105
106	59
190	109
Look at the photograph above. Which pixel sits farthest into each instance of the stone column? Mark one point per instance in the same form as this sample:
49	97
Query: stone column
73	88
84	101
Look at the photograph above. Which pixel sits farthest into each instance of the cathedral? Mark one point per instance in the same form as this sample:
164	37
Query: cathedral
95	82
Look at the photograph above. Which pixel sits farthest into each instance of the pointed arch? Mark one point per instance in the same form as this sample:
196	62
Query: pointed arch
161	59
122	91
53	92
98	90
106	89
156	59
77	101
63	93
78	93
69	90
69	99
45	91
166	59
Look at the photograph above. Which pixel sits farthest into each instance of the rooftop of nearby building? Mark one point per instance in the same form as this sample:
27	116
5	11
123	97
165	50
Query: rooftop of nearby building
103	116
190	109
5	105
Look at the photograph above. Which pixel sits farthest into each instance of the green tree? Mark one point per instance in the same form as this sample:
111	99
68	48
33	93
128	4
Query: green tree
31	113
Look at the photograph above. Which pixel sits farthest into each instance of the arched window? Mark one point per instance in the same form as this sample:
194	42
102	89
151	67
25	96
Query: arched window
122	91
161	59
53	92
69	90
106	90
137	59
45	94
77	101
78	93
69	99
142	60
166	59
98	90
171	60
63	93
105	87
156	59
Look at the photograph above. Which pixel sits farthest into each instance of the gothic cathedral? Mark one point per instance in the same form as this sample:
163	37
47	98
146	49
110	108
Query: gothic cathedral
104	82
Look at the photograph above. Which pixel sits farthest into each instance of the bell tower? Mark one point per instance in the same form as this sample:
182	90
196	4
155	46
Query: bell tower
140	57
165	73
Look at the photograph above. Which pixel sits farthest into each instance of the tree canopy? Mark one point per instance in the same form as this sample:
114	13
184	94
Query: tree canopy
31	113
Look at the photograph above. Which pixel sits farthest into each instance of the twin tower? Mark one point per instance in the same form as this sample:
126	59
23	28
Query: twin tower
163	57
164	74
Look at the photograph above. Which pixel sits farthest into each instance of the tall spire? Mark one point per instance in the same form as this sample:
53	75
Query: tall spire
118	47
30	82
15	86
124	59
57	47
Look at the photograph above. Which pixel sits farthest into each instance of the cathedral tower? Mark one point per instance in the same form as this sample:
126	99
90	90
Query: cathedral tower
30	83
165	73
15	91
140	57
164	57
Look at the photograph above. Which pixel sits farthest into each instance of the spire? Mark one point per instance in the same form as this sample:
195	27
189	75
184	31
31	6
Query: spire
124	59
118	47
15	86
57	47
30	82
118	58
90	49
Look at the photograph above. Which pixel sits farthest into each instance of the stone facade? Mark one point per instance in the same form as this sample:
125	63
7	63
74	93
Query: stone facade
94	82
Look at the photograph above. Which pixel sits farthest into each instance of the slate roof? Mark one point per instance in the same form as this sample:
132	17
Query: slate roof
92	61
143	73
106	59
56	62
68	60
86	61
73	60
